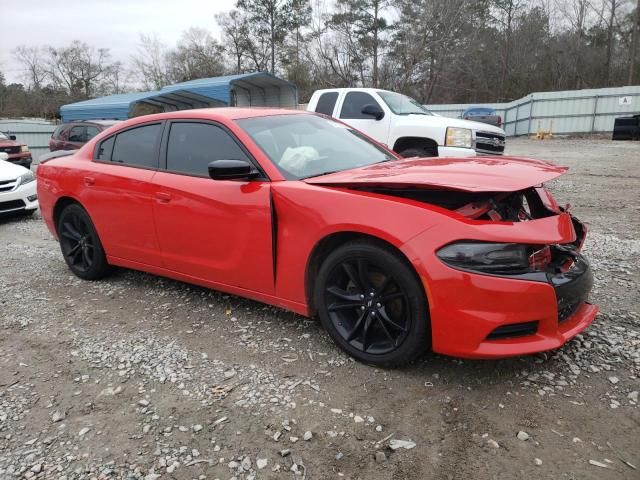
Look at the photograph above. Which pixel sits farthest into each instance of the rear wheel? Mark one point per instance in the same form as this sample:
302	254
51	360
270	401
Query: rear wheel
371	302
419	152
80	244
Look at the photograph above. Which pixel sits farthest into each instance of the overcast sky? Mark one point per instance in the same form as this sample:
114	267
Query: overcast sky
113	24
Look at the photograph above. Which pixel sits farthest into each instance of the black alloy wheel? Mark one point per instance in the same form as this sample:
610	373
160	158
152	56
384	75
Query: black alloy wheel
372	304
80	244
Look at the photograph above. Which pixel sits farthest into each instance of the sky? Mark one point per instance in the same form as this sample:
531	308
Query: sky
112	24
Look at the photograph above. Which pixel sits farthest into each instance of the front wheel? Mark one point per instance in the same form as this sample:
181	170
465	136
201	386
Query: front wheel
372	304
80	244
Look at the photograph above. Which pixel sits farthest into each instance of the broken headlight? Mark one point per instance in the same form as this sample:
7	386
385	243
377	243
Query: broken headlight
498	258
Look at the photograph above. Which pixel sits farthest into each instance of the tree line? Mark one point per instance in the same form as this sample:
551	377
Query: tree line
438	51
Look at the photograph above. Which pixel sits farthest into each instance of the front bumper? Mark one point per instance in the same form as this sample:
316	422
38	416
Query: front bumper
19	199
475	315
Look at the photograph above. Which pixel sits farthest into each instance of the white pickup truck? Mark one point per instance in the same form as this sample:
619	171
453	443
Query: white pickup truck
405	126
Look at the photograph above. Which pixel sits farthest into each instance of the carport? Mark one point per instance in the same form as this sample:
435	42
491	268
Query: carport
250	89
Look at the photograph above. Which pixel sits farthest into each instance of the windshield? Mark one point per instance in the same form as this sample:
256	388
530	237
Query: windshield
403	105
304	146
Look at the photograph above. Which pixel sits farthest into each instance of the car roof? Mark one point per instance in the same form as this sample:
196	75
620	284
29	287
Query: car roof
224	113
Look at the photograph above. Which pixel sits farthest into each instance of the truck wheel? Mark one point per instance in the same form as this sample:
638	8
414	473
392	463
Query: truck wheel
419	152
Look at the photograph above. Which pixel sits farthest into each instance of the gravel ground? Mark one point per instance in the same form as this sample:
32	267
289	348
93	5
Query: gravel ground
140	377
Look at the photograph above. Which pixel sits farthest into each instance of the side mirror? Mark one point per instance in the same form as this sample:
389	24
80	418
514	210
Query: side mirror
231	170
373	111
12	137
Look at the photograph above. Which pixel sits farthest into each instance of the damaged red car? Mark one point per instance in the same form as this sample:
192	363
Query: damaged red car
470	257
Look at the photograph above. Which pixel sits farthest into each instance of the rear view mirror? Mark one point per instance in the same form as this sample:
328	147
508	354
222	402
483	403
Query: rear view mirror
373	111
12	137
231	170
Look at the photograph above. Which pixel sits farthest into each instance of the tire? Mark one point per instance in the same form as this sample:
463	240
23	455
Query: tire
419	152
371	302
80	244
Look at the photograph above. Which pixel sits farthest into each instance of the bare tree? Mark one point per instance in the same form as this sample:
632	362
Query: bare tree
633	51
32	60
235	34
149	63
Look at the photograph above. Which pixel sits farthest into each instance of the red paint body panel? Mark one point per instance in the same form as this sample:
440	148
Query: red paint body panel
474	174
230	235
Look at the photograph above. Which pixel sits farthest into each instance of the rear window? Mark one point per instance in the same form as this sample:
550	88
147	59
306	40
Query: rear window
326	103
137	146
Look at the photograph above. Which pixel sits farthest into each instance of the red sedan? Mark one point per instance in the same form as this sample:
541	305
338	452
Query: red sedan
471	257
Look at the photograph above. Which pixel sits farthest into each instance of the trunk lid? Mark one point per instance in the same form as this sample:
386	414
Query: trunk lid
472	174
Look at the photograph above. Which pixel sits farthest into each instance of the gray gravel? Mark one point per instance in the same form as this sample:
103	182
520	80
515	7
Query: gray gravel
139	377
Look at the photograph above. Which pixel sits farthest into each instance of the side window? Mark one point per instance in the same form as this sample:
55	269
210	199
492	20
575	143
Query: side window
91	132
105	149
58	132
77	134
326	103
353	103
192	146
137	146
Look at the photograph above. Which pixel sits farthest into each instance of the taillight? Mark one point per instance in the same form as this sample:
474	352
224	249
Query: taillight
499	119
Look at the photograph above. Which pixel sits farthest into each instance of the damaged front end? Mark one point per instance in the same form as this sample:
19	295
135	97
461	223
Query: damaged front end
559	263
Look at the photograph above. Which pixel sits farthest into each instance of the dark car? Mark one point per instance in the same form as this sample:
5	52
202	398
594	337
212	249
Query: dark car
73	135
483	115
18	152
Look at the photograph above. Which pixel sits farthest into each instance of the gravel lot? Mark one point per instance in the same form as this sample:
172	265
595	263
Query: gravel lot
140	377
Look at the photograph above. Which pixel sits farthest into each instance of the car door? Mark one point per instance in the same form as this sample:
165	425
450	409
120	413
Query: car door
351	114
219	231
118	193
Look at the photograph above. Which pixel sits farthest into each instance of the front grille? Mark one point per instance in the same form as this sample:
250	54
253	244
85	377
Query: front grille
11	205
514	330
572	288
10	149
491	143
7	185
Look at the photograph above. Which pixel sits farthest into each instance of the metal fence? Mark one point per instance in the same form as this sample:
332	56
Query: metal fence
564	112
35	133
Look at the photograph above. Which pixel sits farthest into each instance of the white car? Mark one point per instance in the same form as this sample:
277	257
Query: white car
17	188
405	126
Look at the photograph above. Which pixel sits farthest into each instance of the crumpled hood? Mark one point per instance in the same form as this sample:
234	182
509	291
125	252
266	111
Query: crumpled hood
471	174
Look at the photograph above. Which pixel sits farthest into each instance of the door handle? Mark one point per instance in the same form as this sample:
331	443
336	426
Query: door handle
88	181
163	197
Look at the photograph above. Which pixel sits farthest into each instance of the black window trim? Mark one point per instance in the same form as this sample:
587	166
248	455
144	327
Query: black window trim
165	141
163	125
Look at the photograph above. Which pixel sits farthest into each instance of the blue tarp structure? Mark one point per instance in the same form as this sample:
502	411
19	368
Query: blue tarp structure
249	89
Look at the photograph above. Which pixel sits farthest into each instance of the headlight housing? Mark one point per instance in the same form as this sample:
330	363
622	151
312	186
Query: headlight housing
26	178
24	148
496	258
459	137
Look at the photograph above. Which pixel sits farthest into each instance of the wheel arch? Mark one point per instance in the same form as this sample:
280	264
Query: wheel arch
403	143
336	239
60	204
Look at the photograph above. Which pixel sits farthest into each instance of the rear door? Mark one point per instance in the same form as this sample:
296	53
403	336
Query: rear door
219	231
118	193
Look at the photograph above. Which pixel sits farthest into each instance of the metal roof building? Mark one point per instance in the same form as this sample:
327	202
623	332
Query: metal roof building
249	89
